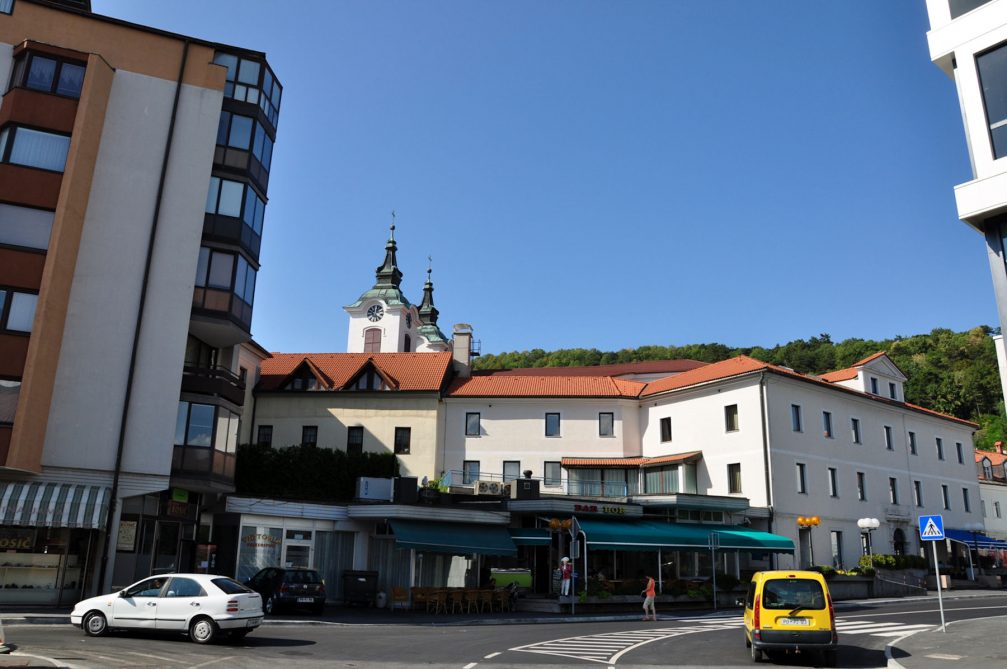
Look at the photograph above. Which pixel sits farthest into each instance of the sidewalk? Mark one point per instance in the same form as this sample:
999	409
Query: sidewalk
967	644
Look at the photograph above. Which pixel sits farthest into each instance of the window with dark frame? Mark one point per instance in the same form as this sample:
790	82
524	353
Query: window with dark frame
403	435
553	473
827	423
940	448
666	429
945	498
960	452
17	310
309	435
991	67
918	493
966	502
511	470
473	424
33	148
795	417
892	392
874	385
552	425
855	429
6	6
893	490
264	436
861	486
833	482
731	418
47	74
606	424
470	472
734	478
802	478
912	443
354	440
889	443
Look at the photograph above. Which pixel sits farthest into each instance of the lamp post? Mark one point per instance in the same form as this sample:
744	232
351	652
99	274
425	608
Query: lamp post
868	525
806	523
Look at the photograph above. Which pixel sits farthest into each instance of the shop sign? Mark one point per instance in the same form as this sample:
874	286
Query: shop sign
17	540
126	540
594	508
179	495
177	509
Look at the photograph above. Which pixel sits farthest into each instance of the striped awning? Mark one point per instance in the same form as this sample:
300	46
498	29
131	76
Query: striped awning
40	504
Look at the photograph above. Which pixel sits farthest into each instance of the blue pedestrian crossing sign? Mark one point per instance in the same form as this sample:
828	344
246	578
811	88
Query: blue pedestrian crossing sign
931	528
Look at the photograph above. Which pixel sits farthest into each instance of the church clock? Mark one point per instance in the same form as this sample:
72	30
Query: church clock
375	313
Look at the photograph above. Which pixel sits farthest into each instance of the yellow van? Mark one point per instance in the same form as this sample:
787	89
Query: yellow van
790	611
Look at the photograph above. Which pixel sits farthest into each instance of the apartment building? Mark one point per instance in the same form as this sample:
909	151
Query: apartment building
134	172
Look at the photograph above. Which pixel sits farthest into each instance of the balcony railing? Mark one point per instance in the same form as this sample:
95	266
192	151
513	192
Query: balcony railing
216	381
582	488
203	468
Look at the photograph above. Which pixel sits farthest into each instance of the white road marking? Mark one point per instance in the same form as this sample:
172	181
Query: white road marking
470	665
491	656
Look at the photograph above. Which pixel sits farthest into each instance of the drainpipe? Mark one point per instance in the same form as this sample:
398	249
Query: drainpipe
120	447
766	463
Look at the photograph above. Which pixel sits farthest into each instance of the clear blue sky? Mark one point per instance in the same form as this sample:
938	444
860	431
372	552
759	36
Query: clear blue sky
609	174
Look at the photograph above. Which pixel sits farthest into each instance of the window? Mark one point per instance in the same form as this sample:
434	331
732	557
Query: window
855	429
22	226
372	340
553	474
224	282
827	424
206	426
309	435
236	200
965	500
802	483
402	438
912	443
407	344
893	490
470	472
992	68
734	478
665	429
245	134
874	385
552	425
606	424
944	497
511	470
17	310
837	548
889	444
795	417
861	486
33	148
892	392
472	427
833	483
184	587
918	493
354	440
47	74
987	469
265	435
960	452
940	448
9	391
996	509
6	6
731	418
251	81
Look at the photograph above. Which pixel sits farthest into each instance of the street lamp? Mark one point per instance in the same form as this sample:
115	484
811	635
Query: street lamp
806	523
868	525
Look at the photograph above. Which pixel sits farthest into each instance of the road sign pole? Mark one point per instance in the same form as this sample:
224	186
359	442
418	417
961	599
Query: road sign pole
940	598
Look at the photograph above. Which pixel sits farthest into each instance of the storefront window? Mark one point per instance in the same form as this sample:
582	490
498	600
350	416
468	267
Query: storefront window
258	547
42	566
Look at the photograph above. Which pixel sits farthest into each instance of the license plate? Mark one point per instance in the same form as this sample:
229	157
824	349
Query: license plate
305	600
794	621
253	622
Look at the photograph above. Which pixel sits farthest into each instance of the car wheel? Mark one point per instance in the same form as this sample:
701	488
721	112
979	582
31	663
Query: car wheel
95	624
756	654
202	630
269	605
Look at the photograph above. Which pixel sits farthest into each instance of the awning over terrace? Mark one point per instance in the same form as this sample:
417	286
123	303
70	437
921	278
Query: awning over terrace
454	538
650	535
976	540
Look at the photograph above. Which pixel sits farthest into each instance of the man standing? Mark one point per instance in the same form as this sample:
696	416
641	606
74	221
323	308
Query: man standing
565	575
648	599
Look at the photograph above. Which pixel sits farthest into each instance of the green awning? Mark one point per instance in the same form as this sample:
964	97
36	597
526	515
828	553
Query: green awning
650	535
535	536
454	538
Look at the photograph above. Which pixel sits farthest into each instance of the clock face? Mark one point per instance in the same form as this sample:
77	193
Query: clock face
375	313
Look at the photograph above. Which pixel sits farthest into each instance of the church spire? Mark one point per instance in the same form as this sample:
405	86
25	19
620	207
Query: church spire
388	275
427	311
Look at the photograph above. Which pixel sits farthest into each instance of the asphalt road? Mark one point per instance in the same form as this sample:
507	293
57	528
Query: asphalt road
707	641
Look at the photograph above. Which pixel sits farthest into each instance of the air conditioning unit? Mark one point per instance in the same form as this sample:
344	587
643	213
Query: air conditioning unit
494	488
524	489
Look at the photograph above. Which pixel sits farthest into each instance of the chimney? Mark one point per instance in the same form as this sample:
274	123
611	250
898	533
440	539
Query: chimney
461	349
1000	447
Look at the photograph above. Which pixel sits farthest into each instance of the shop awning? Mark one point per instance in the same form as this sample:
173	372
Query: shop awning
648	535
976	540
530	536
454	538
53	505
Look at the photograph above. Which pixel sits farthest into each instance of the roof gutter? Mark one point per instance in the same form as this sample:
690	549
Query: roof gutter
766	461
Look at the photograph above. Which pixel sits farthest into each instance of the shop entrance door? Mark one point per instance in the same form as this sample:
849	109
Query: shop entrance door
166	548
297	548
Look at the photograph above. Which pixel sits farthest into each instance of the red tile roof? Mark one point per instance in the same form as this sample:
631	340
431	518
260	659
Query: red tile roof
402	371
618	369
840	375
996	459
544	386
631	462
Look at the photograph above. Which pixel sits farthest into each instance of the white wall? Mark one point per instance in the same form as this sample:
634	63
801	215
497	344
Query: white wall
90	385
991	494
392	325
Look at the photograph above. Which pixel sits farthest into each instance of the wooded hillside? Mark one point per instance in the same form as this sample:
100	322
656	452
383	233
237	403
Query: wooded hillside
951	372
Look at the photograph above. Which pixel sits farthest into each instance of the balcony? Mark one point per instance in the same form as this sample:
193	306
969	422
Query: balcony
202	469
215	381
230	230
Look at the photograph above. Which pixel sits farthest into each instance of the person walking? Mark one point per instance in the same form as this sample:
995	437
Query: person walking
649	593
565	575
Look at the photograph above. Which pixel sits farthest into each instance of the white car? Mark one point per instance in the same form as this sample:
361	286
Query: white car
202	605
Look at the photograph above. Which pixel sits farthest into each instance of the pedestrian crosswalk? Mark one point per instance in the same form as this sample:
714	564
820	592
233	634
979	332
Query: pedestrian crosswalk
609	647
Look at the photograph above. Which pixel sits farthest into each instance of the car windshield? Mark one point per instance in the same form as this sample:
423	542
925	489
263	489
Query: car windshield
793	594
229	586
306	576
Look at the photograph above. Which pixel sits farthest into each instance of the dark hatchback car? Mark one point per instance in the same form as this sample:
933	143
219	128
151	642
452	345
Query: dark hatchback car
289	588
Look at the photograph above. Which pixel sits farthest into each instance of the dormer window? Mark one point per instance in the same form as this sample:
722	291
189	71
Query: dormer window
303	380
369	379
893	391
874	385
987	469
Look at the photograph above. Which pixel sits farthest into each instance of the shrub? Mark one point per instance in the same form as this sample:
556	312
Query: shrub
726	582
894	562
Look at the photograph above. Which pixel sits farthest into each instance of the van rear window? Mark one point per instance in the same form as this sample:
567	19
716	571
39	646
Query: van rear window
786	593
